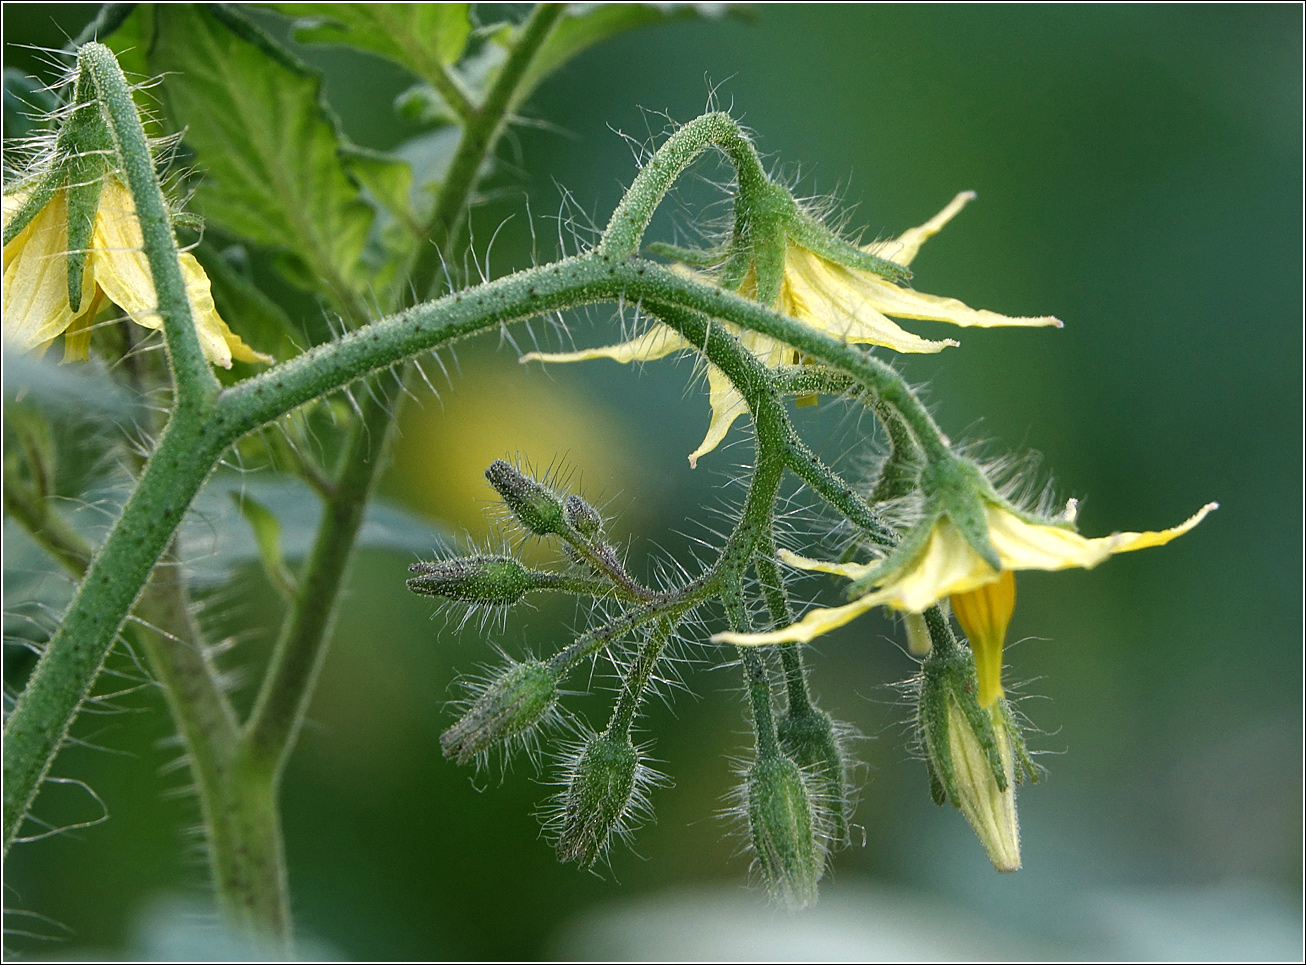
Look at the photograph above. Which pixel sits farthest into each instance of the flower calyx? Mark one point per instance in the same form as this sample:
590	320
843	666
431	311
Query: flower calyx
972	752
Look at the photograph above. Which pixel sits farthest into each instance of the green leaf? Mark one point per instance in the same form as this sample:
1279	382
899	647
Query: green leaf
215	539
423	37
267	536
267	144
388	178
79	391
587	24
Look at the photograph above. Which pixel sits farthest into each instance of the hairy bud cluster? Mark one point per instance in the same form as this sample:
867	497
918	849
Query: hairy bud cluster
781	826
514	703
600	795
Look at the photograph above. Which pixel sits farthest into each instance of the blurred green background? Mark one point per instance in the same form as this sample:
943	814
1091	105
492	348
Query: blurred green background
1139	176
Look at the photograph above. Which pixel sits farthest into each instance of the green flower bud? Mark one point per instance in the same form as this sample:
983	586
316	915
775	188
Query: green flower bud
780	824
493	580
971	753
811	739
536	506
582	517
514	704
600	795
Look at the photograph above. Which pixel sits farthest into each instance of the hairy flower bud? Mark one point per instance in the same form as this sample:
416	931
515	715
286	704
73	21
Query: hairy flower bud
537	507
582	517
971	753
600	795
780	824
493	580
811	739
513	704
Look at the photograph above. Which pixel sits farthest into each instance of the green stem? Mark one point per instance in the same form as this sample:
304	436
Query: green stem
40	721
636	682
481	133
288	684
193	379
631	219
791	656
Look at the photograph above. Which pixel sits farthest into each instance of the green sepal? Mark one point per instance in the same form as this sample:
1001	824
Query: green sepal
516	701
810	739
694	257
820	240
956	487
948	677
900	557
83	193
781	826
768	242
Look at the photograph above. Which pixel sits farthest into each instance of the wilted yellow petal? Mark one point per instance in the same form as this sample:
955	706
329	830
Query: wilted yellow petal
35	303
727	406
903	249
657	342
984	614
909	303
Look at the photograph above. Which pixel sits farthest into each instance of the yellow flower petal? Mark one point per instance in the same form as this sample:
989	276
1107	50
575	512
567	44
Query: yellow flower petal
837	300
816	622
903	249
35	303
727	406
948	566
984	614
658	342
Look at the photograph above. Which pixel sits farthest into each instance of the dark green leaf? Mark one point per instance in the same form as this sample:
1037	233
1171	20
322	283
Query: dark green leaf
266	144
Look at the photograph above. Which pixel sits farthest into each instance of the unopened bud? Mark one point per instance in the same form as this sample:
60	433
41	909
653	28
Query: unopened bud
582	517
515	702
537	507
811	740
599	796
781	827
970	752
493	580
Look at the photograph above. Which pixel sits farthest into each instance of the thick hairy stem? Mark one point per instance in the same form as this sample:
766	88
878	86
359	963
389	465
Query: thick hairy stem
631	219
63	676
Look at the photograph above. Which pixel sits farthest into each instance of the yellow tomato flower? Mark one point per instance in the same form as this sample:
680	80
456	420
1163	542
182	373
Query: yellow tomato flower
848	303
36	307
947	565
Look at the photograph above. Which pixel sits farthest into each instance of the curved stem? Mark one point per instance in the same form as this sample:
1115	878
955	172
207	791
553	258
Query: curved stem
631	218
194	382
481	132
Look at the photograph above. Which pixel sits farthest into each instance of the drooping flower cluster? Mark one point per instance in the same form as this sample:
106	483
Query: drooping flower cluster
845	301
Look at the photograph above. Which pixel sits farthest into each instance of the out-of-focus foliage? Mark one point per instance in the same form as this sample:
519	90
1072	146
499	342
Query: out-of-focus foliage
1121	155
